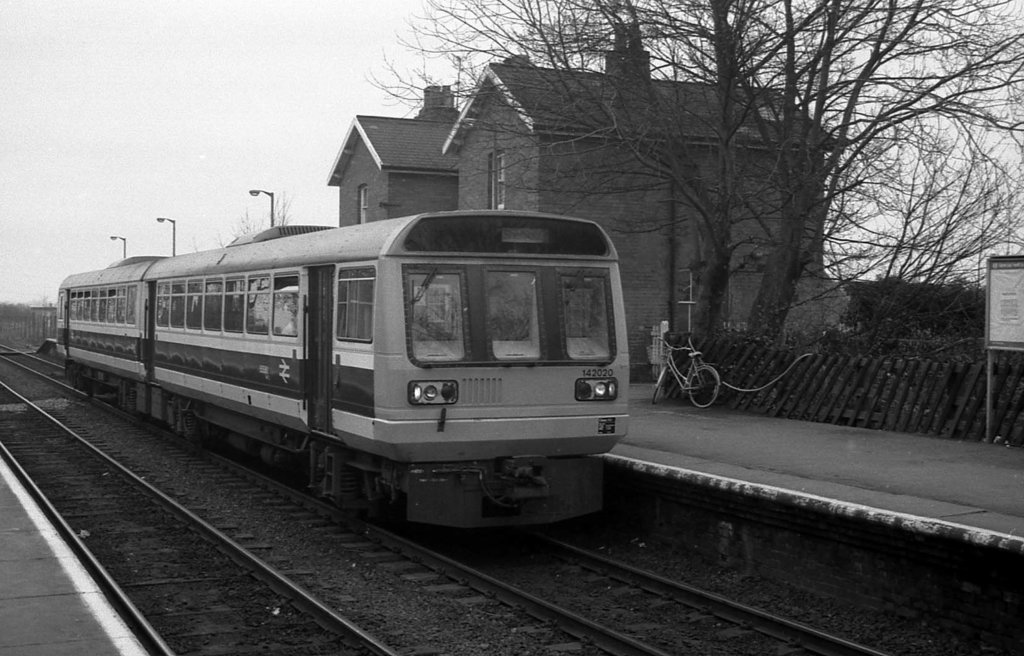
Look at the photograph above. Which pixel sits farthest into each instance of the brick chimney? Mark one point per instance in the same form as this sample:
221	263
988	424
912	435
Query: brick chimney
438	104
627	58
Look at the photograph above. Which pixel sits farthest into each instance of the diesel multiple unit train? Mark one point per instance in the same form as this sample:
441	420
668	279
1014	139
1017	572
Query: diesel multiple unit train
452	368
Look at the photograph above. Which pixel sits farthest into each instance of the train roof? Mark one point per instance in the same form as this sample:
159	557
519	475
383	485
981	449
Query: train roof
131	269
435	232
358	242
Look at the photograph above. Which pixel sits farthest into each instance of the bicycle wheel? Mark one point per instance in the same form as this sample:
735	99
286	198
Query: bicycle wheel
704	385
659	385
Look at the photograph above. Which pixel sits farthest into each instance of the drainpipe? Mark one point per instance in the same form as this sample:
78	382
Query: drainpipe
672	255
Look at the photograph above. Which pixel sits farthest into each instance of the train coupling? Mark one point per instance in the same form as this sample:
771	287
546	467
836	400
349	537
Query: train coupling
522	478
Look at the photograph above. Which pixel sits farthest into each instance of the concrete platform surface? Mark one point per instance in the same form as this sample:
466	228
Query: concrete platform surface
966	485
49	605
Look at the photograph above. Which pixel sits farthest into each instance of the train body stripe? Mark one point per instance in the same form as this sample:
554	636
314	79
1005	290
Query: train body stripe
351	387
352	390
118	346
275	374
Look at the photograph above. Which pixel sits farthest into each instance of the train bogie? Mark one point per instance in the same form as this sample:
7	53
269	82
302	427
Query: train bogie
461	367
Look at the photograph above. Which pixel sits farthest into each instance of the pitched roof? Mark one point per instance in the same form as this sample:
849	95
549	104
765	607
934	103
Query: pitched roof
396	143
586	102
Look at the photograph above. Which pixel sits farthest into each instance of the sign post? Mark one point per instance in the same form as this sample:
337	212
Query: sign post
1004	317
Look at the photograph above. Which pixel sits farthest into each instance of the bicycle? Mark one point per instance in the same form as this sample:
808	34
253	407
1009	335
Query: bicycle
701	380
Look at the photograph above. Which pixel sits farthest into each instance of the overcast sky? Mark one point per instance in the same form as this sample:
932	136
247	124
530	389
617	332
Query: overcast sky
113	113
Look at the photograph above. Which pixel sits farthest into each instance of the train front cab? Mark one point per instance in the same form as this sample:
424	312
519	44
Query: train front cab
490	380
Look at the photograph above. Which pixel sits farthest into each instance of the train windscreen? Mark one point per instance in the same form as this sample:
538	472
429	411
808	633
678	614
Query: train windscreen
540	314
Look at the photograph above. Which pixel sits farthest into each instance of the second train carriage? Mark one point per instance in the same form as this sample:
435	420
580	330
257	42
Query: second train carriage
463	367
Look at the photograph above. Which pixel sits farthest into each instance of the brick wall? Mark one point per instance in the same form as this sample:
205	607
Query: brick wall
412	193
391	193
362	169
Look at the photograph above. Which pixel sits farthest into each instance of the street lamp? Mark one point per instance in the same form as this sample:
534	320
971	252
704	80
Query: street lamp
174	233
124	246
257	192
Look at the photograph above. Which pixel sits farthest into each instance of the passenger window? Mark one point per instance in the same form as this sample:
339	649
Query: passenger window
213	301
286	305
163	304
234	305
178	304
257	306
512	324
194	305
129	314
435	316
586	321
119	318
102	315
355	304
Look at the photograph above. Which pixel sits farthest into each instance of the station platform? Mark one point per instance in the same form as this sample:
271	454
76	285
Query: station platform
49	604
966	490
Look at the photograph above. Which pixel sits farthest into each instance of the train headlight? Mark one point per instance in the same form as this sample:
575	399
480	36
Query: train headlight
433	392
597	389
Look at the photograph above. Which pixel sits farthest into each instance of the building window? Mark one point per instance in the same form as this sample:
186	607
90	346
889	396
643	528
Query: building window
496	180
363	204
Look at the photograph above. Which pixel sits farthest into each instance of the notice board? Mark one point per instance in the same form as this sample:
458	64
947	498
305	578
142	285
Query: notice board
1004	321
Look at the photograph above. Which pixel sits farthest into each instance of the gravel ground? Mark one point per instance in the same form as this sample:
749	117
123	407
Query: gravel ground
408	616
886	631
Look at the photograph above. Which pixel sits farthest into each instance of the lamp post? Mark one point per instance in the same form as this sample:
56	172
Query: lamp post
124	246
257	192
174	233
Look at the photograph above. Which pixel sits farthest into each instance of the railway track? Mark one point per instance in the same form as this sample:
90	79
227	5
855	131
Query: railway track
577	602
199	590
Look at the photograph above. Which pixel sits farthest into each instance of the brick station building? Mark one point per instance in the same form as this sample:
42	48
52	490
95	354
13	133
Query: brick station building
537	139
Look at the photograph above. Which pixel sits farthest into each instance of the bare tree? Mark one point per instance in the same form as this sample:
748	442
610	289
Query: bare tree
950	206
836	98
246	224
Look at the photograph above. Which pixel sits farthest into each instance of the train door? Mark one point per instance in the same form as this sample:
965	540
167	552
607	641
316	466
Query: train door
64	307
148	328
319	341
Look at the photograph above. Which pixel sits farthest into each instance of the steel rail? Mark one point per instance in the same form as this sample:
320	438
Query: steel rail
148	637
807	637
321	614
610	641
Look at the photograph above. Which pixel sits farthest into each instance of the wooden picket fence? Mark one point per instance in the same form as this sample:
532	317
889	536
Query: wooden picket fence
895	394
25	332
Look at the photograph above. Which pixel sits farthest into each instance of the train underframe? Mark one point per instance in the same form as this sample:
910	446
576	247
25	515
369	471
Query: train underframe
505	491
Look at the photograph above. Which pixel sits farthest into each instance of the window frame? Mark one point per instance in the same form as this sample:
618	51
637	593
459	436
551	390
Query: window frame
355	277
208	311
362	203
496	182
561	275
254	298
410	297
195	291
234	289
276	294
552	333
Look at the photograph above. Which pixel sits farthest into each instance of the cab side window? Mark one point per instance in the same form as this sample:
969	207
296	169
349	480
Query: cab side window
355	304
